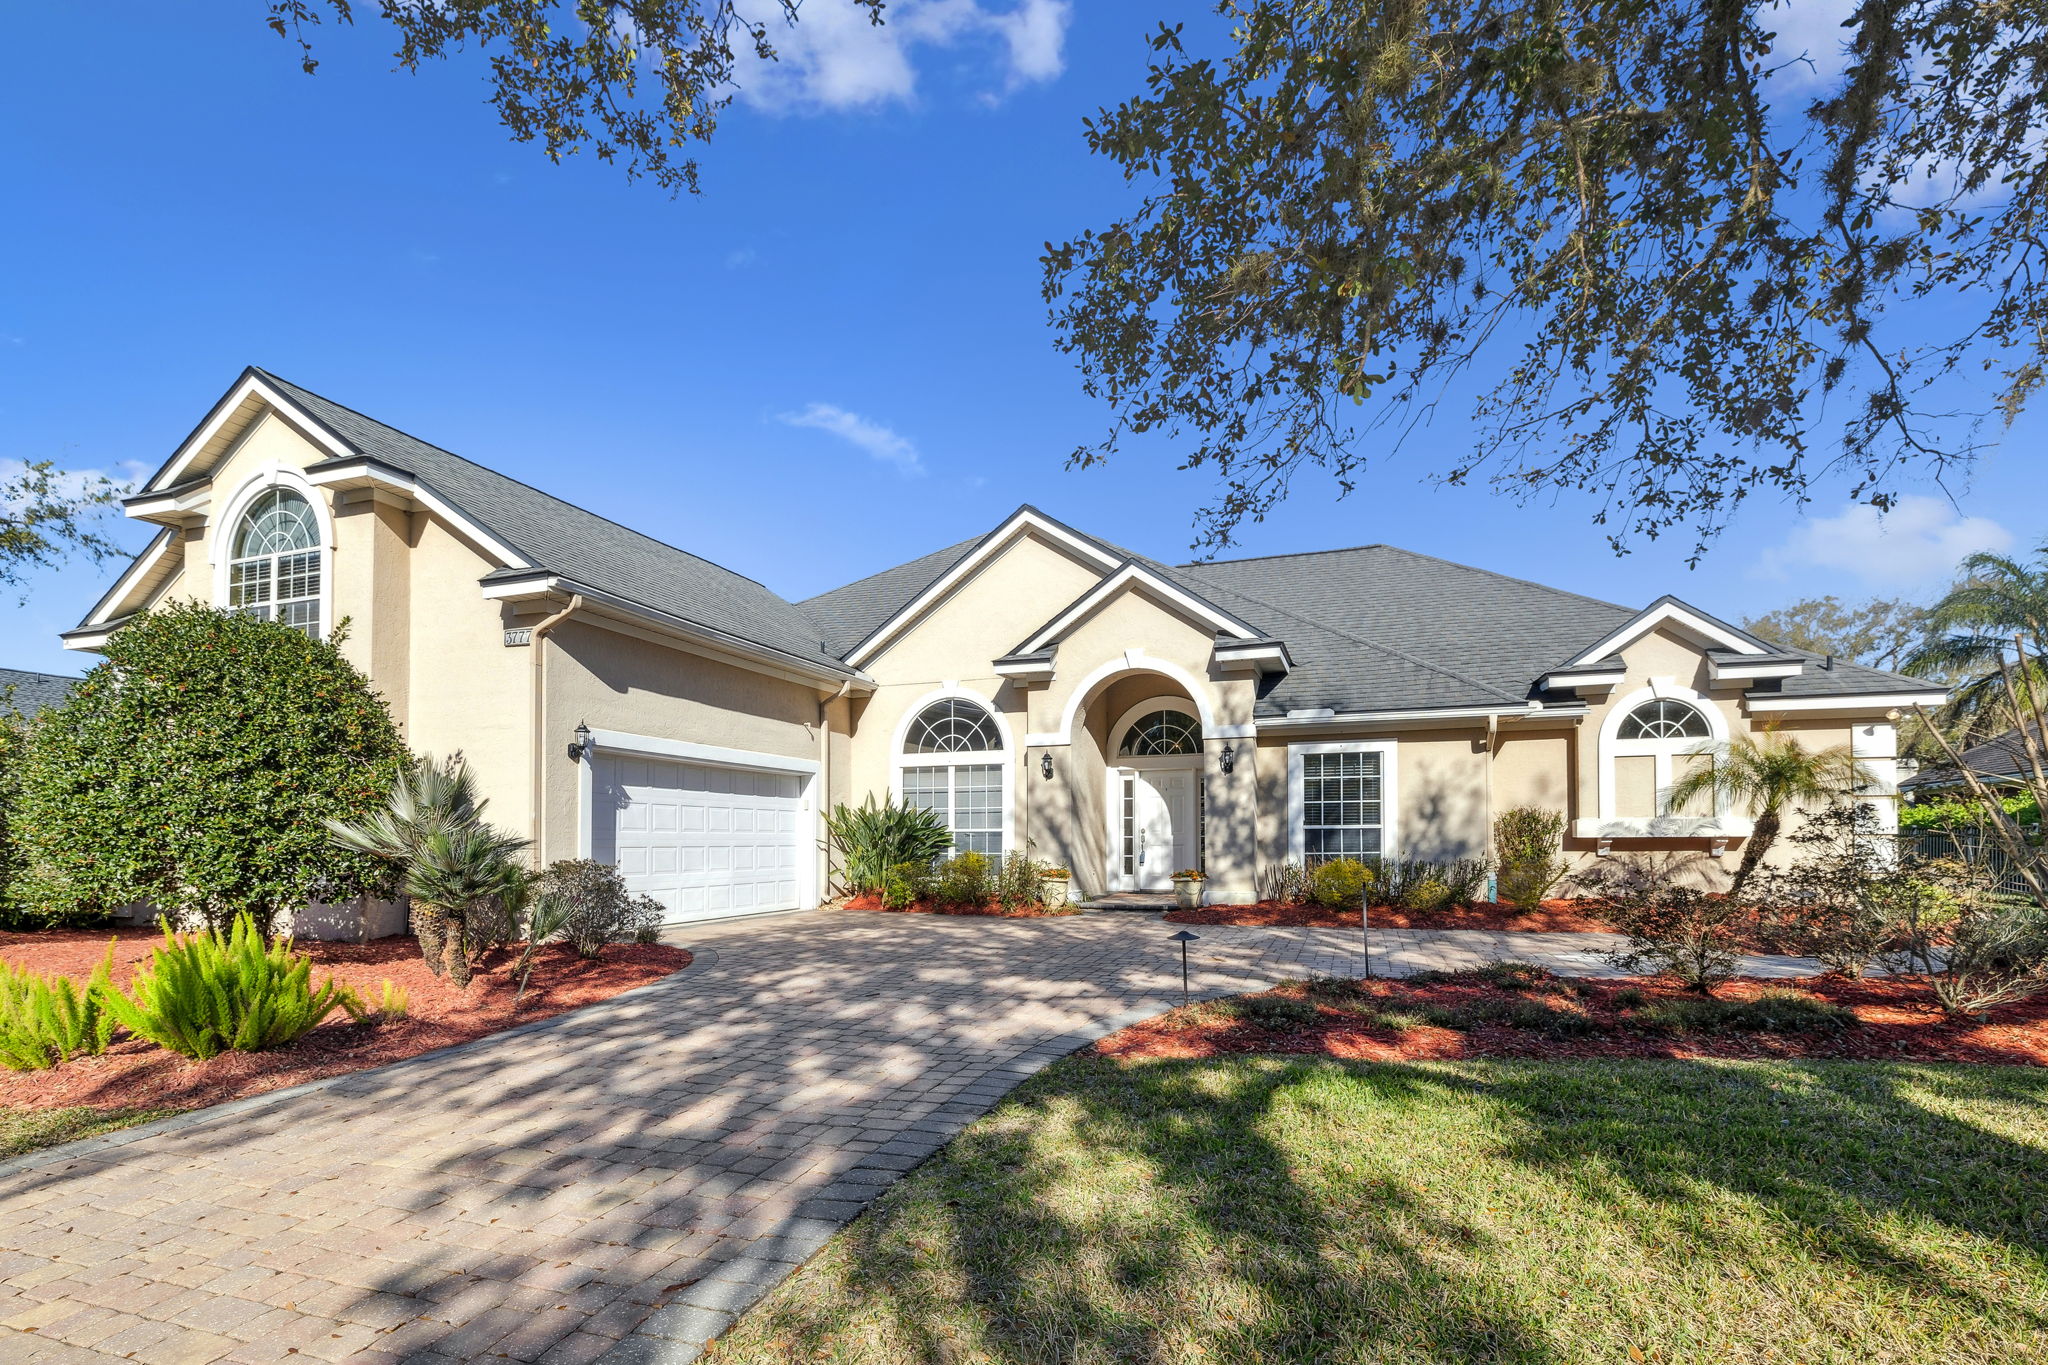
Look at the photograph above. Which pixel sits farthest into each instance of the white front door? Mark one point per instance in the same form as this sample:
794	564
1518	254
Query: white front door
1156	829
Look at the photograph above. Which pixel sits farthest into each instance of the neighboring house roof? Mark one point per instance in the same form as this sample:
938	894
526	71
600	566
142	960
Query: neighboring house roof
29	693
2002	759
580	546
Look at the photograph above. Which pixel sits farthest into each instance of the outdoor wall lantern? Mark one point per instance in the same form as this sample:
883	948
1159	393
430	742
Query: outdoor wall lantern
1227	759
1045	764
582	745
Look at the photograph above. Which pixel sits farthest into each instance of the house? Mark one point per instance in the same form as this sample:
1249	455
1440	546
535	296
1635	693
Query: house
1039	687
24	693
1997	762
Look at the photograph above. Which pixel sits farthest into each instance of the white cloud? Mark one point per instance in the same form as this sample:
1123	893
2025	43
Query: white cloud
877	440
1918	542
739	258
1812	30
836	58
67	483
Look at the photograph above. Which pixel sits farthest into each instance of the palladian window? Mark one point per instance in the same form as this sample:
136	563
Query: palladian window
1656	743
1163	733
952	765
276	569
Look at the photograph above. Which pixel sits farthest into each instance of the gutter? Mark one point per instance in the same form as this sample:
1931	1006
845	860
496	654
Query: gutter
540	693
1354	719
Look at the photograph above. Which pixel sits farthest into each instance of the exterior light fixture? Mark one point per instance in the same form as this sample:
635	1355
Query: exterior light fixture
581	748
1045	764
1227	760
1184	938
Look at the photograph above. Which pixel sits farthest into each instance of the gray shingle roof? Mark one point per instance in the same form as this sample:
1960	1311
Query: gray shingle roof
2002	757
580	545
28	693
847	615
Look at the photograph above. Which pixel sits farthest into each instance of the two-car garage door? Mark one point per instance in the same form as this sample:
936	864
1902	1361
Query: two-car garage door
704	839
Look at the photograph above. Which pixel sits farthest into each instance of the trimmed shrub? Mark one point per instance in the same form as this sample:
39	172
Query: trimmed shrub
1018	881
964	879
906	885
13	740
195	770
600	911
1339	884
45	1020
205	993
1430	883
1527	841
873	839
1773	1011
1284	882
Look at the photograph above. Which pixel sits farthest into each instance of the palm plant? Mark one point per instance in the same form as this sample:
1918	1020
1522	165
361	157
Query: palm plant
450	859
453	871
1973	628
872	839
1764	773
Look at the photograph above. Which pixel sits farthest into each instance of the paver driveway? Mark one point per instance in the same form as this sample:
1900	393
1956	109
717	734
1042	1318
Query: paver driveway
615	1182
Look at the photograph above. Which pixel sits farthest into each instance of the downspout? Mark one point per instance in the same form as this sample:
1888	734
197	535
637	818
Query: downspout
1492	878
824	797
540	694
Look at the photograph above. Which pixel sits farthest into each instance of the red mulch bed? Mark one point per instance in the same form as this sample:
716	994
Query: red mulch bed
874	903
134	1074
1897	1021
1560	916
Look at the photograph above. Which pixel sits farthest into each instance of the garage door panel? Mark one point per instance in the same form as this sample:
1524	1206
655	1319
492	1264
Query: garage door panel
702	840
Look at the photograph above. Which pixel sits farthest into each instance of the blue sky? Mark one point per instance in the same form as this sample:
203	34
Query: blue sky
833	360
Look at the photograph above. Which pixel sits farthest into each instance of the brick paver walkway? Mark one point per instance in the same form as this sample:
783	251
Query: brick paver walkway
614	1183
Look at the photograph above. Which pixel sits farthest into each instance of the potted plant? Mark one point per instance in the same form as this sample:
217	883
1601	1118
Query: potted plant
1187	887
1055	886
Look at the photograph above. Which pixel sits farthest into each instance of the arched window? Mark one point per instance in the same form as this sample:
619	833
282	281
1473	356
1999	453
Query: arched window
1664	720
952	765
1649	742
276	570
1162	733
953	727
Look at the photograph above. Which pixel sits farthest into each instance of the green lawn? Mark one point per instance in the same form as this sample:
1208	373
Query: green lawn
1303	1210
24	1130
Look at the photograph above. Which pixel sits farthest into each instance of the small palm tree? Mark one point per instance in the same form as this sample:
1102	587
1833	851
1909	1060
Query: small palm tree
1764	773
1998	599
453	871
449	858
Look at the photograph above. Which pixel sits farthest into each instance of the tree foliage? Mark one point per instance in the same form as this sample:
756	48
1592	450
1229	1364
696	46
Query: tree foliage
1996	612
1881	633
633	81
1356	212
194	770
47	513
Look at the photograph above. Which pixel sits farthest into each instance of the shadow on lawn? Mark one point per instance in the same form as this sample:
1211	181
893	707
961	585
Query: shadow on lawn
1259	1253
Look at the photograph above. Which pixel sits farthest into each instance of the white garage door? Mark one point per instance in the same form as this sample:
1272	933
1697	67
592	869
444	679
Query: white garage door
703	840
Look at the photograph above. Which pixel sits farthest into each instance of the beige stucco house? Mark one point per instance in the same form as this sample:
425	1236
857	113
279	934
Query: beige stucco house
1039	687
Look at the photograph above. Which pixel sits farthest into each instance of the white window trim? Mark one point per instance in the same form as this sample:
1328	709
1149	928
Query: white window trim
810	814
1005	761
221	544
1663	751
1390	791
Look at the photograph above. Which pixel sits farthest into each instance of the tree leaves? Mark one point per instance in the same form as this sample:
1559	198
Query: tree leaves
1595	227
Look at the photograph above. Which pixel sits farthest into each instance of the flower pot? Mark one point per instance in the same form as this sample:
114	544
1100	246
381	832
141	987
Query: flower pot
1188	891
1058	891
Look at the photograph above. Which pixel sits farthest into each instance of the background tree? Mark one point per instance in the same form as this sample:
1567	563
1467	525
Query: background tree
194	771
1765	773
633	81
1880	633
1996	613
1643	265
47	513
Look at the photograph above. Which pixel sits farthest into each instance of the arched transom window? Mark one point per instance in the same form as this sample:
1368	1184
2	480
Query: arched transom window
953	727
276	569
1664	720
952	765
1162	733
1656	741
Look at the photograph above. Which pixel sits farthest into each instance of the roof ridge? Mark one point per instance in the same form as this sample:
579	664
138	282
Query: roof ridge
1417	554
962	545
1379	645
500	474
